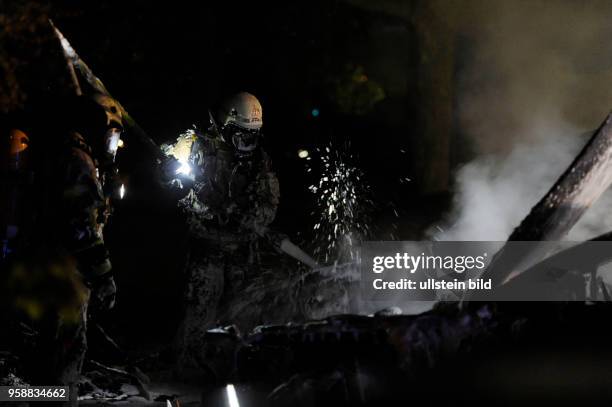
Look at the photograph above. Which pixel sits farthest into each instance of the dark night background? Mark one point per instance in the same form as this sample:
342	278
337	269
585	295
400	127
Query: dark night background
365	71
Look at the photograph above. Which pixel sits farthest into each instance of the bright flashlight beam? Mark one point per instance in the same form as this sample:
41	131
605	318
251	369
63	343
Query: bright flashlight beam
303	153
232	397
184	169
122	191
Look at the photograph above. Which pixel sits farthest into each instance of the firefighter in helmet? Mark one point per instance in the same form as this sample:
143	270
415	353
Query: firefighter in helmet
58	266
230	196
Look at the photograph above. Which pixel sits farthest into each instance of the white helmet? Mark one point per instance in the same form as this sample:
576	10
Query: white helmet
241	121
244	110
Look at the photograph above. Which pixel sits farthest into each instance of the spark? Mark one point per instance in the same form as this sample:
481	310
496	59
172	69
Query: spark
303	153
343	203
121	191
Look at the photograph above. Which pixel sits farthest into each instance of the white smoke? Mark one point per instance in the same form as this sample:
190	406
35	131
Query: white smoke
538	75
496	191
